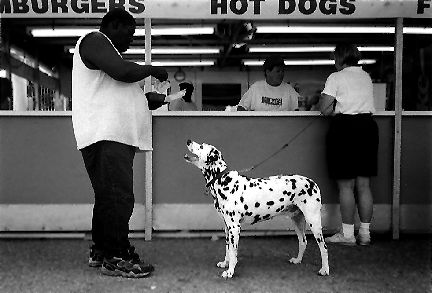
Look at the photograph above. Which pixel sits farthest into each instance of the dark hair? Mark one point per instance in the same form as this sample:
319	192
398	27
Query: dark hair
347	54
272	62
189	90
119	15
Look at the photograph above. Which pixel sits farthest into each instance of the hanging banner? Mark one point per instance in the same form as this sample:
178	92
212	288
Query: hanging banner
219	9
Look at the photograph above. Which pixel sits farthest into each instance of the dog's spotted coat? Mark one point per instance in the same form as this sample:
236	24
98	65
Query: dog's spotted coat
240	199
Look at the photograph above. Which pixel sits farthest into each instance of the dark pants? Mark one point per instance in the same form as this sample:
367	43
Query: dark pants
110	168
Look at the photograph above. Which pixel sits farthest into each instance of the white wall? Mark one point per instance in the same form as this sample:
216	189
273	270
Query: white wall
19	86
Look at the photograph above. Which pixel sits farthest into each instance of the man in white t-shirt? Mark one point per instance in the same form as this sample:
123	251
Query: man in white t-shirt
271	94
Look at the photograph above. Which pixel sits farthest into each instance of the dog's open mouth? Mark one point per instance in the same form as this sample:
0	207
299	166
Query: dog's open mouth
190	157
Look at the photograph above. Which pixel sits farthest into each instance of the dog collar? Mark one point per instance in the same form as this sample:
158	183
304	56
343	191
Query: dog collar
218	176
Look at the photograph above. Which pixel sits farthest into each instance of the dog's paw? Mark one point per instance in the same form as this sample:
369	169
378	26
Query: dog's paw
295	260
324	271
222	264
227	274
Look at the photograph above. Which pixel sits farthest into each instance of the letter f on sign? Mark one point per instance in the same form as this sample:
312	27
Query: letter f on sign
421	5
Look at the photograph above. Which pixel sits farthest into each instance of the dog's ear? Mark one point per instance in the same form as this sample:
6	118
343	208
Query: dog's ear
213	156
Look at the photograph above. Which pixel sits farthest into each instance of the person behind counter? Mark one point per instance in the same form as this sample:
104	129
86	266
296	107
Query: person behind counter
270	94
5	94
111	118
185	103
352	142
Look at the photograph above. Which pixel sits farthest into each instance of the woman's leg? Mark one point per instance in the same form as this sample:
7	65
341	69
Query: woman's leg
347	200
365	199
347	209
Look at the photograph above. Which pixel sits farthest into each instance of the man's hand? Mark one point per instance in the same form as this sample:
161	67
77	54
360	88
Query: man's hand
155	100
160	73
175	96
155	97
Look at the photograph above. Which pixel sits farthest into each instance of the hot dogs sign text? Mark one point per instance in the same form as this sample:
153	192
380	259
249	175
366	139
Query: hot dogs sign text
320	8
285	7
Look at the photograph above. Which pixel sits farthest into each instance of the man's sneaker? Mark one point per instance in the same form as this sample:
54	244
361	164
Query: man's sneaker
134	258
118	267
339	238
96	257
363	239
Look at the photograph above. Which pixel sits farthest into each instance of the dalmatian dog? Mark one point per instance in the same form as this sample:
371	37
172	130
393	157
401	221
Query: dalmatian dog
239	199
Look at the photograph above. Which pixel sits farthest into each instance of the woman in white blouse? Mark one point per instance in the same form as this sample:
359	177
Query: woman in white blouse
352	142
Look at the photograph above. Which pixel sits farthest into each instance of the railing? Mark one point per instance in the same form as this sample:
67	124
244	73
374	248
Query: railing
40	98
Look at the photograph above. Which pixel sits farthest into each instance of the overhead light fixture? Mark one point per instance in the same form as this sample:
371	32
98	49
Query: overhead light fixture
322	29
168	51
60	32
22	56
289	49
376	49
46	70
418	30
169	63
155	31
3	73
279	29
304	62
312	49
175	50
181	30
208	30
30	61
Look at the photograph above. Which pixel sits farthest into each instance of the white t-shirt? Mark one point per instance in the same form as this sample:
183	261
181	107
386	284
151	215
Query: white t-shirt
263	97
182	105
106	109
353	90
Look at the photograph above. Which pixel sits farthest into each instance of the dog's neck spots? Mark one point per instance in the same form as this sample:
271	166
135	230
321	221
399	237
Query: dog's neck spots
213	171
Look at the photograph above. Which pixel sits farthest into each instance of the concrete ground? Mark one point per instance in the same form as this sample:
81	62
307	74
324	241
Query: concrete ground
189	265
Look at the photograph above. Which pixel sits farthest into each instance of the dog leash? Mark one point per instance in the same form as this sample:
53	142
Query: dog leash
245	170
220	174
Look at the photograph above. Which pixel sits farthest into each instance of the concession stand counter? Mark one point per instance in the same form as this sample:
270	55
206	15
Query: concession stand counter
44	189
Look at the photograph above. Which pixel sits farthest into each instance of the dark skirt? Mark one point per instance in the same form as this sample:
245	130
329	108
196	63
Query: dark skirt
352	146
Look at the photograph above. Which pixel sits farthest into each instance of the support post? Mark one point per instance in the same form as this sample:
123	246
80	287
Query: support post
149	196
397	129
148	154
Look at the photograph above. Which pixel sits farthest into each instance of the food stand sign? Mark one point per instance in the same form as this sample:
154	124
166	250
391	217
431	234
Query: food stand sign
219	9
